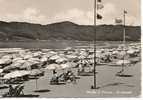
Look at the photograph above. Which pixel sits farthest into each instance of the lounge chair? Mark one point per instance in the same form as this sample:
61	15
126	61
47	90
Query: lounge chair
16	92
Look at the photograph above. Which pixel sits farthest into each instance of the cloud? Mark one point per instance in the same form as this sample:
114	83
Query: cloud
31	15
110	12
75	15
87	17
82	17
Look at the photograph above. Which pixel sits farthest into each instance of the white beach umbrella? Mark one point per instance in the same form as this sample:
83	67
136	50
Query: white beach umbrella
5	61
71	56
16	59
130	51
16	74
7	57
121	62
68	65
53	66
62	59
55	57
43	59
1	70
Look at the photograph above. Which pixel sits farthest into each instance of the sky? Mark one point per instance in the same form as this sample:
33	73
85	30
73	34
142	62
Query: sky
77	11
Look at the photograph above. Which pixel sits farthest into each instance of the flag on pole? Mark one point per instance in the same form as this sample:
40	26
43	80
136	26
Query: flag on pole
118	21
99	16
125	11
99	6
99	1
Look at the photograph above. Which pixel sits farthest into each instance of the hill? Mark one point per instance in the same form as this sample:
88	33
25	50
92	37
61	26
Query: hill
22	31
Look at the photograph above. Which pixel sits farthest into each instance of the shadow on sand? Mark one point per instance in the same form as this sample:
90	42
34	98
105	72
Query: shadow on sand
116	84
28	96
3	87
21	96
118	75
61	83
42	90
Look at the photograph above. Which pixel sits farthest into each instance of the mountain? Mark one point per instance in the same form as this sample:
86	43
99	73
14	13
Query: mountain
22	31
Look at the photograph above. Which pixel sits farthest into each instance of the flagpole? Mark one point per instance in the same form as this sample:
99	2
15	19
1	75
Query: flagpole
94	44
124	37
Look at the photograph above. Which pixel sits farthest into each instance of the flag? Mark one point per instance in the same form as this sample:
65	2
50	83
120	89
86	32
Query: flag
99	1
125	11
99	6
118	21
99	16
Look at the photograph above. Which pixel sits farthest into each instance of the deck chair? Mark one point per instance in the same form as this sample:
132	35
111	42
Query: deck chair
18	91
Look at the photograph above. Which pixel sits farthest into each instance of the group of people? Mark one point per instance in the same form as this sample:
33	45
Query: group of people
68	76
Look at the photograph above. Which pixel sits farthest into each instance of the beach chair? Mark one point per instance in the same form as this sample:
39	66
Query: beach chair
15	92
54	81
19	91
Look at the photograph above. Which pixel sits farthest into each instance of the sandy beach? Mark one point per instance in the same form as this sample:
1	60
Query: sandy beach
110	85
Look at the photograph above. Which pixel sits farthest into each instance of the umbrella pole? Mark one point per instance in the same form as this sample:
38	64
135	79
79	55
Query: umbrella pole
36	84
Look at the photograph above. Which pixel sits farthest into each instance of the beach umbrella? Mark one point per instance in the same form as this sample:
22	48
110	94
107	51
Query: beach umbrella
12	66
1	70
64	66
27	56
16	65
55	57
37	54
68	65
53	67
121	62
122	53
43	59
16	74
115	52
68	48
7	57
5	61
36	72
90	56
52	52
59	60
71	56
82	57
26	65
130	51
49	55
17	59
34	59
